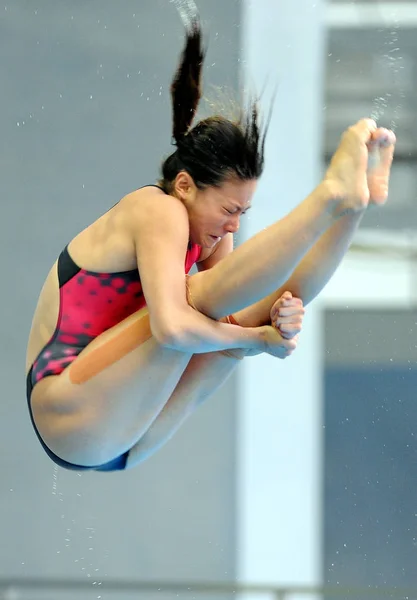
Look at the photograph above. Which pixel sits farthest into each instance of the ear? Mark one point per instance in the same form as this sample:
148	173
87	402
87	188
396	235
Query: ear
184	186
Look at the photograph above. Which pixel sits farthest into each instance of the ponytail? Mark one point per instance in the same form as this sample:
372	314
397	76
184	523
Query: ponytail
215	148
186	85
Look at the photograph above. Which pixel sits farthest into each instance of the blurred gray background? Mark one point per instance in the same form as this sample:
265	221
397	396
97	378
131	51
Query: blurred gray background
371	69
85	118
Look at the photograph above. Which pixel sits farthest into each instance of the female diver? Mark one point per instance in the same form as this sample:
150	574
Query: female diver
124	344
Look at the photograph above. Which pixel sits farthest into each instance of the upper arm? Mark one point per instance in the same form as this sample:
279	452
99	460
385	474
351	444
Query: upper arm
160	229
222	249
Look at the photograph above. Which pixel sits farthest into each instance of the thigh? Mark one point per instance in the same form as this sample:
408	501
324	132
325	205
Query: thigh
108	397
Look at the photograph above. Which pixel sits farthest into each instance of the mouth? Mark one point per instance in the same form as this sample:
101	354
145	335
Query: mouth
215	238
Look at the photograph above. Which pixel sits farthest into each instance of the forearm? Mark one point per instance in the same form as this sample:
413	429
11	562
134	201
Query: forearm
194	333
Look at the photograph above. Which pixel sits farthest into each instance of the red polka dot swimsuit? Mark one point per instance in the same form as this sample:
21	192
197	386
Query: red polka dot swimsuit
89	304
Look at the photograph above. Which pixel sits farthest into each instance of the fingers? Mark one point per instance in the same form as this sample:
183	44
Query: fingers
294	319
287	315
288	304
288	311
289	327
278	345
287	346
290	330
290	345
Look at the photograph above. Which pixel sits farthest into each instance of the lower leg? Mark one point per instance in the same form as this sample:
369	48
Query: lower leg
204	375
264	262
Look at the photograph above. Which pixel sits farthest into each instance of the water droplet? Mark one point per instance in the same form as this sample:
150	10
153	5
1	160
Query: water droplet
187	9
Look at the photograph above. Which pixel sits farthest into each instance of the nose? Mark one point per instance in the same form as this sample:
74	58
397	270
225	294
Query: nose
233	224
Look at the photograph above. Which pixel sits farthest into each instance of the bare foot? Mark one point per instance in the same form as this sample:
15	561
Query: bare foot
381	154
358	173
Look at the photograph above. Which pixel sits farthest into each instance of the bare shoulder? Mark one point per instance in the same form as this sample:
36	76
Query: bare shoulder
149	202
154	218
142	193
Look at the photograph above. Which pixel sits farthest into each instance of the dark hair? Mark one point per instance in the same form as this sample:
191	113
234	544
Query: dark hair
216	148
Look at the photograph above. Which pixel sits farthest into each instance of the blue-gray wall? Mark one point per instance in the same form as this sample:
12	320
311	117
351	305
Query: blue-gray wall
370	418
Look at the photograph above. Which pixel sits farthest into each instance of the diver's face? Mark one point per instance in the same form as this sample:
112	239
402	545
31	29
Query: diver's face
215	211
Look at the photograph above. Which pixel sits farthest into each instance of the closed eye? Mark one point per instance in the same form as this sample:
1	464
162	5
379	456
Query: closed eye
233	212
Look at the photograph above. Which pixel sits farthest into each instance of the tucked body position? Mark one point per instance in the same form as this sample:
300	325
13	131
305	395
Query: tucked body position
124	343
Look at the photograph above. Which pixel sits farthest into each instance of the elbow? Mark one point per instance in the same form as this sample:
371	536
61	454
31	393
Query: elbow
168	335
167	339
165	336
